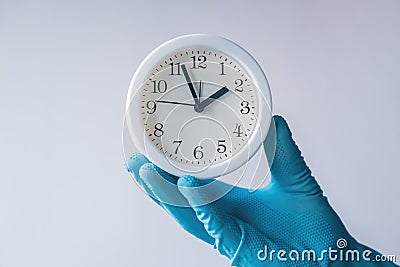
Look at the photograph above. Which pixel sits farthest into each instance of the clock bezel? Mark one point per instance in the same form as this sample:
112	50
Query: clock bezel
249	66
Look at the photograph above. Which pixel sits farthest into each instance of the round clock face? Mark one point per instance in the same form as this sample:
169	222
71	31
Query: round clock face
198	107
198	104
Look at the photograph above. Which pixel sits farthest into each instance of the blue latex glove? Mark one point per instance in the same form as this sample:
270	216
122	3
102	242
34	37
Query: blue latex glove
289	214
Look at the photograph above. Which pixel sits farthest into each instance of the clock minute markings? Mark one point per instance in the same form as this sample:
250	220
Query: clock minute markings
198	87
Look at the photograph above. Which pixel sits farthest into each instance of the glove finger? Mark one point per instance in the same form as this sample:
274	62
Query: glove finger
289	170
158	181
164	190
220	225
133	164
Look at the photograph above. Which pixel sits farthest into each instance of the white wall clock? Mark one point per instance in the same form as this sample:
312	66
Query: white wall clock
199	104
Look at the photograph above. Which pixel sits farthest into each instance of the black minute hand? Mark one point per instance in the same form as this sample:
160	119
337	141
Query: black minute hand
213	97
175	103
190	84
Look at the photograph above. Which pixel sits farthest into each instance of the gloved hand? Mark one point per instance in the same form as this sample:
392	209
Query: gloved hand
250	228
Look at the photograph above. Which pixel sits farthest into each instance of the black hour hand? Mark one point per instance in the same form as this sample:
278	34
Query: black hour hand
213	97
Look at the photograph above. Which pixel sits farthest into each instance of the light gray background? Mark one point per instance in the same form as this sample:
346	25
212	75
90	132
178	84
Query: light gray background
65	67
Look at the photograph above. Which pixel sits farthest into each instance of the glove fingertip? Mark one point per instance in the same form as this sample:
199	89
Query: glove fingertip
134	160
147	169
188	181
282	126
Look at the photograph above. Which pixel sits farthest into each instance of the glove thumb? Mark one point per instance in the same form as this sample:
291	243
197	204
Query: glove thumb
289	171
